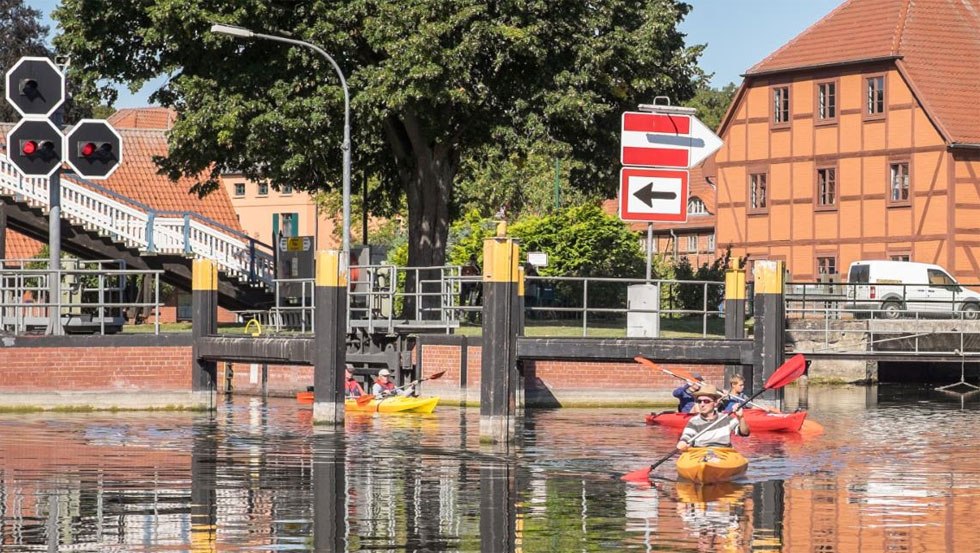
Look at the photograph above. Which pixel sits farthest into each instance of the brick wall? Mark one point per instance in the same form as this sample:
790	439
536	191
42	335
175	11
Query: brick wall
68	369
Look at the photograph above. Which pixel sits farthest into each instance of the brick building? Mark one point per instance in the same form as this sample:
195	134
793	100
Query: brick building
859	139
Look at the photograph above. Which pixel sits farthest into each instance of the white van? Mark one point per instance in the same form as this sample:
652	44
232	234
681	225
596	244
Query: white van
889	288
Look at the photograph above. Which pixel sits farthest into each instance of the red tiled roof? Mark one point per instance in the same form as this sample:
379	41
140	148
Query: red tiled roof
937	42
700	187
20	246
143	118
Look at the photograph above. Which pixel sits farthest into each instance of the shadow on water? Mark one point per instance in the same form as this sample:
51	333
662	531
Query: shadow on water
257	476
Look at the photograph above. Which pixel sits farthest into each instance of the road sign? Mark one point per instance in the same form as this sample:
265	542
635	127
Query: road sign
35	87
653	195
665	140
93	148
34	147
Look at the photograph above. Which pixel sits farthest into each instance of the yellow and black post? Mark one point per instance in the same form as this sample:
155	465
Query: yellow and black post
330	339
498	374
770	324
735	294
517	326
204	312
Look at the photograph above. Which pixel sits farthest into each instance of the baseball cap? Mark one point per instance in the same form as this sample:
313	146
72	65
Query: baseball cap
384	372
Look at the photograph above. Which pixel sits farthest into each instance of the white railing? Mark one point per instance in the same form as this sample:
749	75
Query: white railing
135	225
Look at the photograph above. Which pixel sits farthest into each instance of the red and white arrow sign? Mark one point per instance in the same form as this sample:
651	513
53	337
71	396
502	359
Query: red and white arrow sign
653	194
665	140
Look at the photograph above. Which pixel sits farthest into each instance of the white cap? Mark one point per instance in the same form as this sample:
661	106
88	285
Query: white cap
384	372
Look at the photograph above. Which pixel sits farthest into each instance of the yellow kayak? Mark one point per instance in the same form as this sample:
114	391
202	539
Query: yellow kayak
708	465
394	404
728	492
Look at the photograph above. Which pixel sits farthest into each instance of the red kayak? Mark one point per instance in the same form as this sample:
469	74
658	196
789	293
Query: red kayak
759	420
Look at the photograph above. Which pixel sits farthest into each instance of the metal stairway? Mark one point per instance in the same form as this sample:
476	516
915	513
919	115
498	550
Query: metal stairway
98	223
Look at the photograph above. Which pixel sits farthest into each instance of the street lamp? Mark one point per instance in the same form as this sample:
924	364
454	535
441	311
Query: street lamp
242	32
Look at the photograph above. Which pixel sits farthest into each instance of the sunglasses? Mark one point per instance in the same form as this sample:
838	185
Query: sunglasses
705	401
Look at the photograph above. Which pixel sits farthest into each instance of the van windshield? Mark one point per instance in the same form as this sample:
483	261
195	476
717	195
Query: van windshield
859	274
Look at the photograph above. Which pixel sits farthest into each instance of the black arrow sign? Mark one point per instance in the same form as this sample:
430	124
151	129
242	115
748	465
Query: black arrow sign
647	195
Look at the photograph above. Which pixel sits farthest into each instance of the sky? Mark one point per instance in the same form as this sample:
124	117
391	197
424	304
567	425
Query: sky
738	33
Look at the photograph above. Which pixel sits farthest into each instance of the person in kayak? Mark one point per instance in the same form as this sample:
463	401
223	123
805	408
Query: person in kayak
684	394
719	434
383	386
736	397
353	387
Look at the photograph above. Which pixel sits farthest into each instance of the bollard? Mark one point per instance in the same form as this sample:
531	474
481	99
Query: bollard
770	324
735	322
330	339
497	373
204	311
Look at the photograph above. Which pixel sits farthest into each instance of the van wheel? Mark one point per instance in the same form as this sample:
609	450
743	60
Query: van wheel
971	311
891	310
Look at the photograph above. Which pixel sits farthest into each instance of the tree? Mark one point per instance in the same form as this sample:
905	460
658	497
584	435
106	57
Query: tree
432	80
712	103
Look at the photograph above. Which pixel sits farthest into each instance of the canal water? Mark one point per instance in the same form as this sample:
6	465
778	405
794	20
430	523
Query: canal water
896	470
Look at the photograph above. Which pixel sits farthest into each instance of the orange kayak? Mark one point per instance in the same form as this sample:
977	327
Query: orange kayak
710	465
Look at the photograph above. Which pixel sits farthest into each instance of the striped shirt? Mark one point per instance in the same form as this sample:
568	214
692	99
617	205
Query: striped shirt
720	434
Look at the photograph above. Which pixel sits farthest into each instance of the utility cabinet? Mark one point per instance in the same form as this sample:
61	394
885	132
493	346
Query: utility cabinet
643	311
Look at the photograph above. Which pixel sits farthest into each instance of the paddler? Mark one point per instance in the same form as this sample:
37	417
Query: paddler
685	393
383	386
706	400
736	397
353	387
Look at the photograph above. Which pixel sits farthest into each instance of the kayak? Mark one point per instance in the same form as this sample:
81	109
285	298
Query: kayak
394	404
757	419
710	465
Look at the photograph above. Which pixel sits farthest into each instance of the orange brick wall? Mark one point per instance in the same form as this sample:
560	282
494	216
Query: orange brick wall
53	369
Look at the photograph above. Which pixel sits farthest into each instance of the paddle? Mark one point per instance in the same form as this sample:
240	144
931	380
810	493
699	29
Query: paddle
786	373
435	376
688	377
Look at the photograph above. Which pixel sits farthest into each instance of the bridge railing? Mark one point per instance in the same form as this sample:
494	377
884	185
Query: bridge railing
889	318
139	226
95	297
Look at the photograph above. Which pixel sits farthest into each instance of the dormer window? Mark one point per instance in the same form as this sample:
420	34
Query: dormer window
696	207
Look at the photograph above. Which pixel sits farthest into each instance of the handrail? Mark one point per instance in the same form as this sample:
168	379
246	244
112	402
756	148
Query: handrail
138	225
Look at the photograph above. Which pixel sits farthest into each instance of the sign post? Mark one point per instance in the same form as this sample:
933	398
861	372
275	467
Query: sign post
657	146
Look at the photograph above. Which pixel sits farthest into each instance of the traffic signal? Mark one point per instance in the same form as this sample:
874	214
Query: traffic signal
94	149
35	87
34	146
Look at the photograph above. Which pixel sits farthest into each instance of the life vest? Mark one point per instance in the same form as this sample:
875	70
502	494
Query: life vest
387	386
353	388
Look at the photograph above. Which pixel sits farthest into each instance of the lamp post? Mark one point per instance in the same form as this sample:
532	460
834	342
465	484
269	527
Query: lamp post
246	33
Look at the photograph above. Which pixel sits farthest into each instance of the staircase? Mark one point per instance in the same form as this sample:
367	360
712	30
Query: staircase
98	223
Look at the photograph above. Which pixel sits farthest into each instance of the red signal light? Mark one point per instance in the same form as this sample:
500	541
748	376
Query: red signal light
28	147
87	149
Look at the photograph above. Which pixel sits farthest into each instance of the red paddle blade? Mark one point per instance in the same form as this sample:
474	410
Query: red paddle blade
787	372
364	400
436	376
638	475
679	373
811	428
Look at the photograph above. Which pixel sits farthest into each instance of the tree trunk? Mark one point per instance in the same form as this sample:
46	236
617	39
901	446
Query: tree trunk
426	170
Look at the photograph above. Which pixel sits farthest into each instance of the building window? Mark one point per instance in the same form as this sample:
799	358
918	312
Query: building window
780	105
286	190
827	187
899	183
900	257
263	189
875	96
826	265
757	192
696	207
826	101
711	242
692	242
239	189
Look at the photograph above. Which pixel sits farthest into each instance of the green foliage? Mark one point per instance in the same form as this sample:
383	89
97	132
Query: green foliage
582	241
692	296
466	236
712	103
432	83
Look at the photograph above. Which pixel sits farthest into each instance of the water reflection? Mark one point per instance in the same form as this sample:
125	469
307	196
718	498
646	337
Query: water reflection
894	473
